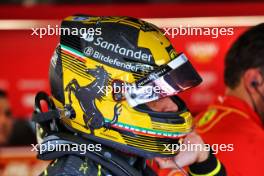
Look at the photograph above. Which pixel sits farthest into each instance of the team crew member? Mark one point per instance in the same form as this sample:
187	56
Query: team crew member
237	118
127	125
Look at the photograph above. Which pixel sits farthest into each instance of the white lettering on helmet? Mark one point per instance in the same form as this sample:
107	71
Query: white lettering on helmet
116	48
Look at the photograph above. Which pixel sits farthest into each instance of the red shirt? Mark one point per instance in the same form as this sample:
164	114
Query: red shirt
233	122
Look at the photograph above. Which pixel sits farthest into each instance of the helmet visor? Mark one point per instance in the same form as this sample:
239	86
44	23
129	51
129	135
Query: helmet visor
178	75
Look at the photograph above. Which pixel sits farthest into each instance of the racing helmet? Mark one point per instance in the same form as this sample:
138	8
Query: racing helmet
106	72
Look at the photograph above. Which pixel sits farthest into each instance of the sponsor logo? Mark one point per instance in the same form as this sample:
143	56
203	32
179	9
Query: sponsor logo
134	67
88	37
88	51
207	117
116	48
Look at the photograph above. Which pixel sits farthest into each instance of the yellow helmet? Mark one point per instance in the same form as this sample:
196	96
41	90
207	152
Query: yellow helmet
122	52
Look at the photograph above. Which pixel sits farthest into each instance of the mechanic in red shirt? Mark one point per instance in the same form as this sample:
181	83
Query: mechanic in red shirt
237	118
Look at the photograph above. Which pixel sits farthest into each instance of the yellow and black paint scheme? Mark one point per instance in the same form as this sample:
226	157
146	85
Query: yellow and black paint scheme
126	50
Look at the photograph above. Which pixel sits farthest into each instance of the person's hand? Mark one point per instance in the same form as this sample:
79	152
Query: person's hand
186	157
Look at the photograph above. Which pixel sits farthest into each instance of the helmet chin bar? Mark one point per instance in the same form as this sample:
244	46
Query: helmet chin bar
48	124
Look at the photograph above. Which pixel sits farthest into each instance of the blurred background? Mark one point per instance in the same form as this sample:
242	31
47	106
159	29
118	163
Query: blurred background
25	57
